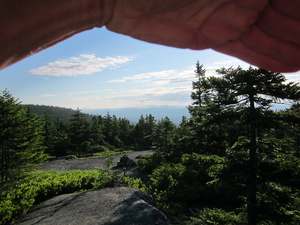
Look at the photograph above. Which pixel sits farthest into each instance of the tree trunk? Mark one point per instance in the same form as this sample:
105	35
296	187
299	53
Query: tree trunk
252	169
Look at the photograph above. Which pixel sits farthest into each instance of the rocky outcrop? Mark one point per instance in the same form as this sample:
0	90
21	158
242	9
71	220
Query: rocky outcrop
110	206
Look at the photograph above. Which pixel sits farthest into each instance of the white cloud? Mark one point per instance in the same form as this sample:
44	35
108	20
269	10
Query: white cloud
82	65
167	87
96	102
159	78
137	97
145	77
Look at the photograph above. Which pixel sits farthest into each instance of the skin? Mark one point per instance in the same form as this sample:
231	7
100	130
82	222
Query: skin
264	33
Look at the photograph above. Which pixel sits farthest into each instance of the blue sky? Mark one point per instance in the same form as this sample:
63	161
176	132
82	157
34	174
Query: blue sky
99	69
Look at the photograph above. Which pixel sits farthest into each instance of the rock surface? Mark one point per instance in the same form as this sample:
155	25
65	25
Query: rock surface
87	163
110	206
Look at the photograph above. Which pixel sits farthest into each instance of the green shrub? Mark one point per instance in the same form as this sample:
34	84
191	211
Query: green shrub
71	157
108	152
151	161
42	185
215	216
146	156
135	183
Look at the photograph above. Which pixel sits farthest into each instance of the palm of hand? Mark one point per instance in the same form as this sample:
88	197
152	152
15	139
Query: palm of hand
263	33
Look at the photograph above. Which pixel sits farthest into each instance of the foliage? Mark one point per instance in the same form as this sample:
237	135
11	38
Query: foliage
215	216
165	187
146	156
85	135
39	186
235	156
107	152
53	112
150	162
143	132
135	183
164	134
235	161
171	182
21	141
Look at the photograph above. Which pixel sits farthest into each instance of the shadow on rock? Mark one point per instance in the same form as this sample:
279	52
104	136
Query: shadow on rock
110	206
136	210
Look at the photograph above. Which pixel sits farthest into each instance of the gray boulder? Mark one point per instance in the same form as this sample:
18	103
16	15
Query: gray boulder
125	161
110	206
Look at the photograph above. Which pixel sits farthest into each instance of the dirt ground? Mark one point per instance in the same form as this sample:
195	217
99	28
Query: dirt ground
87	163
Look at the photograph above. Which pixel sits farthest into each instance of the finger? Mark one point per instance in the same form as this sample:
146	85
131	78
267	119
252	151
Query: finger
228	21
240	50
252	4
280	26
282	51
223	25
290	8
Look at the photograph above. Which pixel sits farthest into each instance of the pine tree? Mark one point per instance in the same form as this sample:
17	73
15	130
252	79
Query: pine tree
251	93
199	92
208	120
126	132
111	130
139	133
49	135
79	133
96	133
21	140
61	138
164	135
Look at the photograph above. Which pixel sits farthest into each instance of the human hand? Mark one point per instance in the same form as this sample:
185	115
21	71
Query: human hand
264	33
261	32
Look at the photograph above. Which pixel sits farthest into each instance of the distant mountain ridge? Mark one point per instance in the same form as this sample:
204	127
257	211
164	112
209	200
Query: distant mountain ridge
174	113
53	112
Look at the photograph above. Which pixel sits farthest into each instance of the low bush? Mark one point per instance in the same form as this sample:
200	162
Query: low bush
110	152
149	162
215	216
135	183
68	157
41	185
146	156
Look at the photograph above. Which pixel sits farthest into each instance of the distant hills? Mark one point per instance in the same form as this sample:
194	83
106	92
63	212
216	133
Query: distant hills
174	113
53	112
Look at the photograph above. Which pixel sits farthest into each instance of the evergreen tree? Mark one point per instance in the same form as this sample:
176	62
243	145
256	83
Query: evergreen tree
126	132
164	135
96	134
49	135
111	130
257	163
199	91
21	141
208	119
150	126
79	133
290	128
185	137
139	132
61	139
251	92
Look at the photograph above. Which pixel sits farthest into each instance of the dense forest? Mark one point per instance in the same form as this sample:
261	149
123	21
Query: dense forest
235	161
83	134
53	113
